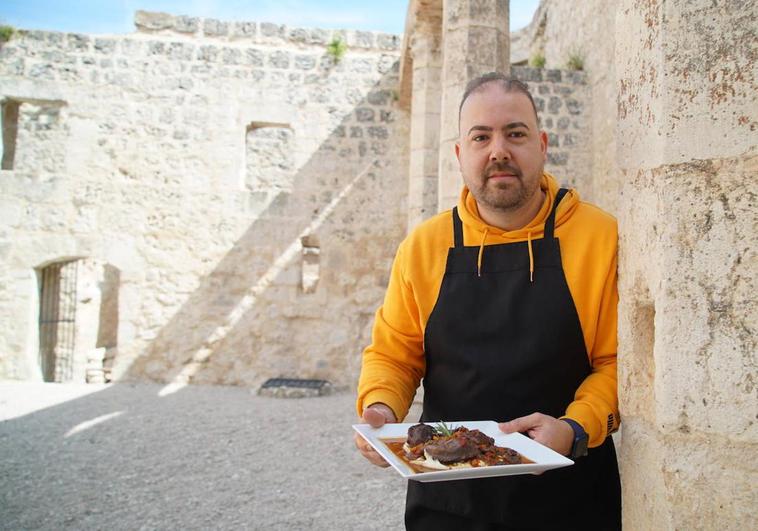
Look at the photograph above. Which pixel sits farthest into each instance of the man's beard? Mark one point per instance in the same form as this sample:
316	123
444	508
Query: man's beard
503	196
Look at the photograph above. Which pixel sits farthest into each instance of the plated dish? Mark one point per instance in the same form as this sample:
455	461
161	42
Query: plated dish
531	457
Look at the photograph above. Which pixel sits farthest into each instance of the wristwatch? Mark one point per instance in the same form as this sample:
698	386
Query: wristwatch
579	447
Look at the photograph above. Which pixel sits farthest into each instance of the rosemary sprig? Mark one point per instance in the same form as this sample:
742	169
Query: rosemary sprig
444	429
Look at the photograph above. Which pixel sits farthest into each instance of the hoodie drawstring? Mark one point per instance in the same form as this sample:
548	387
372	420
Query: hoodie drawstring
481	251
531	256
528	243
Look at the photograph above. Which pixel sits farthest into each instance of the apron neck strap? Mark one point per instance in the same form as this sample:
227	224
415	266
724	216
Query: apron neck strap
457	228
549	223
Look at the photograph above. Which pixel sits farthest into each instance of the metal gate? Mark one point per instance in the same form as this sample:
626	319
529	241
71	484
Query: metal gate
57	321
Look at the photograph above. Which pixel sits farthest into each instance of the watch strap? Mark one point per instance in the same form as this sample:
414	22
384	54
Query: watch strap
579	446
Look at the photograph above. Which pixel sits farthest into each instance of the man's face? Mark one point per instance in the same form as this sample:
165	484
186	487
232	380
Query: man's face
500	149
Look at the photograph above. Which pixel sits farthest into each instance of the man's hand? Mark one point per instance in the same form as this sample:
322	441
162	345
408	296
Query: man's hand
377	415
544	429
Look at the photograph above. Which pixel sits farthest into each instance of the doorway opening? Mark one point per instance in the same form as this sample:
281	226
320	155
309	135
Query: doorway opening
78	320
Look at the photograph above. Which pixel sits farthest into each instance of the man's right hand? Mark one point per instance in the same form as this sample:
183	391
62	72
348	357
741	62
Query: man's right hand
377	415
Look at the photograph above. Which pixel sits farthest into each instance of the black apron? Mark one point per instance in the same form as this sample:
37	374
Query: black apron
499	347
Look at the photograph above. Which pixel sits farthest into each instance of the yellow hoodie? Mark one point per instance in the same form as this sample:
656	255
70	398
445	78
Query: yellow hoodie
393	364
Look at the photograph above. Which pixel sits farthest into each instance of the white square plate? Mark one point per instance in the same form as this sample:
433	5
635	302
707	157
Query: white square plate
544	458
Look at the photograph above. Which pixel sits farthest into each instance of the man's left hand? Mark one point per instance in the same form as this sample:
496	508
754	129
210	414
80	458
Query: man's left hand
544	429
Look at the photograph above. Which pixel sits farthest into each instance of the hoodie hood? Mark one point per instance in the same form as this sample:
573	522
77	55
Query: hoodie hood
469	212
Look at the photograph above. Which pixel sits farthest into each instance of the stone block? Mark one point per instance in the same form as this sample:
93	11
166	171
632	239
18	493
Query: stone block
527	75
185	24
388	63
298	35
379	132
539	104
386	116
149	21
77	43
107	46
318	36
574	107
305	62
208	53
279	59
553	76
360	66
215	28
365	114
42	71
254	57
272	30
554	105
385	41
231	56
360	39
156	48
575	77
463	13
557	159
244	30
181	51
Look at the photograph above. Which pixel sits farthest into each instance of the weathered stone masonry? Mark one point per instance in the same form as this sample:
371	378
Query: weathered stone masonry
226	182
244	188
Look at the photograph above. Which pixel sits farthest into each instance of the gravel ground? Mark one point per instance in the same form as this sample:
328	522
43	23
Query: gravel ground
123	457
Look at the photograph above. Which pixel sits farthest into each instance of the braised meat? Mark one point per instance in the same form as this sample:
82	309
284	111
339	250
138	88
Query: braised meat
457	447
420	433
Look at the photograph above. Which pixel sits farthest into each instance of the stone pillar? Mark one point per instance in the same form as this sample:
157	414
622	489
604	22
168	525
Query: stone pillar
425	125
476	40
686	139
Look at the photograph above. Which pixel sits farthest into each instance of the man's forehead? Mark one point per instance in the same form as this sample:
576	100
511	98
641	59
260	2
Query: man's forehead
492	101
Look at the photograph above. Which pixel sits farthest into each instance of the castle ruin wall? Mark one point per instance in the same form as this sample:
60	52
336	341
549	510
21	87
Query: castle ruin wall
247	187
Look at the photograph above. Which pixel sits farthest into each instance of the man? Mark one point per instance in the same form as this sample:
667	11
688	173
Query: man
506	306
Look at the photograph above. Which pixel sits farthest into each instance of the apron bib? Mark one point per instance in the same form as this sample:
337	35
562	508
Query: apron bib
497	347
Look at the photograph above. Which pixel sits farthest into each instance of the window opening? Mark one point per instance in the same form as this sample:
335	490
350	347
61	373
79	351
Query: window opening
268	157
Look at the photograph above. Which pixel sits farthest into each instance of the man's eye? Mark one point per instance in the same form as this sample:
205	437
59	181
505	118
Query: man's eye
479	138
518	134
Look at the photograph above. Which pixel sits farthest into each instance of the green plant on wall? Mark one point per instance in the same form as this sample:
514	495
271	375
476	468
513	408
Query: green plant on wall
575	61
336	49
537	61
6	32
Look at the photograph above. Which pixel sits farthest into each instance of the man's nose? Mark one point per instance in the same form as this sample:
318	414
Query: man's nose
499	150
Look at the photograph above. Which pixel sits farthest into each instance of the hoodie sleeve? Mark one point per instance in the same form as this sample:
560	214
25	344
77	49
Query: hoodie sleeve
595	404
393	363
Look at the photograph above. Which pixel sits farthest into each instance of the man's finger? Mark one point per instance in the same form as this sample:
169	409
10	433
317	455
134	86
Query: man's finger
374	417
522	424
368	452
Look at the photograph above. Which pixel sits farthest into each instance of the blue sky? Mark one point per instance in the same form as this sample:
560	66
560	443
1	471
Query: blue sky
116	16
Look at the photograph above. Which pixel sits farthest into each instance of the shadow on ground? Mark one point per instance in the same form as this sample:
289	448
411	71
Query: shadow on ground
202	458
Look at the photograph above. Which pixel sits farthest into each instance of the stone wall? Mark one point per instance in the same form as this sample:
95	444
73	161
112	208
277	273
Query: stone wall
590	36
687	137
245	188
562	101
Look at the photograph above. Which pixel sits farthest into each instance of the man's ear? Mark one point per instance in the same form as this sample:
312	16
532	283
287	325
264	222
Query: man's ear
543	144
458	151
